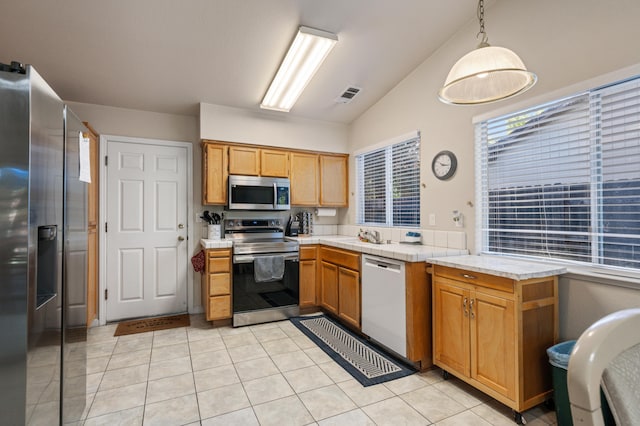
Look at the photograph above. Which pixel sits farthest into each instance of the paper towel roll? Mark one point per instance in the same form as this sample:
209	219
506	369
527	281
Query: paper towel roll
325	212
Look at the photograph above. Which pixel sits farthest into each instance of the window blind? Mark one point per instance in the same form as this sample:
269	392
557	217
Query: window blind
389	185
561	180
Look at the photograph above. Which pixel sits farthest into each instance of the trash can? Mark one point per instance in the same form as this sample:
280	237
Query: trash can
559	359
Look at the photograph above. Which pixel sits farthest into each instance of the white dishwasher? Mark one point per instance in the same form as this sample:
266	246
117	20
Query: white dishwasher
384	305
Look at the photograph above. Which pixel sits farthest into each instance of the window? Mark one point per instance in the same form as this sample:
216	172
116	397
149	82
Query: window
388	181
562	180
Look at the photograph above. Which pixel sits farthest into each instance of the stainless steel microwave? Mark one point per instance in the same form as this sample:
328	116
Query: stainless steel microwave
258	193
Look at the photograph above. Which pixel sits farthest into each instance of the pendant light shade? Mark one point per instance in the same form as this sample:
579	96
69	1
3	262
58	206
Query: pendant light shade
486	74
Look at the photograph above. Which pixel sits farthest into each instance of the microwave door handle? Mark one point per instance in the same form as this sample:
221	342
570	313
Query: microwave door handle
275	195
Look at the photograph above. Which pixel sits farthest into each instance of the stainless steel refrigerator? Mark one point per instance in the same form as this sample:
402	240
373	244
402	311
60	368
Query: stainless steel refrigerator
43	254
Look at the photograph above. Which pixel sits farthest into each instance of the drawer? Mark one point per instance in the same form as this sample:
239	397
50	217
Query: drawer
218	253
345	258
219	307
218	264
219	284
476	278
308	252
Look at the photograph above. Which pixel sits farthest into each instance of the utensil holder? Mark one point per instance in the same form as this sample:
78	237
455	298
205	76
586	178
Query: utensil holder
215	232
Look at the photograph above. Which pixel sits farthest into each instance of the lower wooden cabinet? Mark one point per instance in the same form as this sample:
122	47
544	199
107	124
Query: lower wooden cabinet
216	284
349	296
340	291
493	332
308	274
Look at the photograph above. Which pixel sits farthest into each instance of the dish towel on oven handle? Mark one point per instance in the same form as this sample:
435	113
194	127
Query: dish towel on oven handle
268	268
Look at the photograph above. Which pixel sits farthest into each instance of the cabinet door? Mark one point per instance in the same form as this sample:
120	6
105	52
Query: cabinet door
274	163
307	283
493	343
244	161
219	284
334	181
329	287
214	174
304	179
349	296
451	327
92	274
94	158
219	308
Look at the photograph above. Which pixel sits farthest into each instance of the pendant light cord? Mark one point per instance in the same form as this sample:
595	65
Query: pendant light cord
485	39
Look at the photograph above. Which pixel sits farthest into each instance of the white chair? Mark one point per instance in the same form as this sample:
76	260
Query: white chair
607	354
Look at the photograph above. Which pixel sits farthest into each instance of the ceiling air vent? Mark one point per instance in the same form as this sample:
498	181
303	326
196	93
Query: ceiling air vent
348	94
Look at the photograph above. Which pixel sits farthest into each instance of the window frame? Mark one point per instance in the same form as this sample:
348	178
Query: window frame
599	261
387	147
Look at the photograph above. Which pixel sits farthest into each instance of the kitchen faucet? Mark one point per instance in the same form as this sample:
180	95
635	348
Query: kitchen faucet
374	237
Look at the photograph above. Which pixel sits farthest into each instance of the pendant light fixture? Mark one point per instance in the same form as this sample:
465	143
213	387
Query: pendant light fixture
486	74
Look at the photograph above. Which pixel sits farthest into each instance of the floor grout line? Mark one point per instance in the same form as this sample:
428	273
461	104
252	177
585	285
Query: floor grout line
263	339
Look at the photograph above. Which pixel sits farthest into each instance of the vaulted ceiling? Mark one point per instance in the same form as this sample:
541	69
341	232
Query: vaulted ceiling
168	56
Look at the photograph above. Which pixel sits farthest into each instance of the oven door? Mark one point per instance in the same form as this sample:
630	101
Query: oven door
249	295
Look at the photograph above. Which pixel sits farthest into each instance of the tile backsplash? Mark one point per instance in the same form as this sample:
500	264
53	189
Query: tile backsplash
450	239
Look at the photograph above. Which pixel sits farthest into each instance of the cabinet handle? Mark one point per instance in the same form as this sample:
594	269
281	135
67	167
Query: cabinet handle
464	307
471	309
469	277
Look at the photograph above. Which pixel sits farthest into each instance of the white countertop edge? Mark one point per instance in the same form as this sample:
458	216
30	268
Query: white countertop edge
515	269
211	244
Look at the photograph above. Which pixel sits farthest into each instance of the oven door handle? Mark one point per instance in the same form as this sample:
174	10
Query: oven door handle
249	258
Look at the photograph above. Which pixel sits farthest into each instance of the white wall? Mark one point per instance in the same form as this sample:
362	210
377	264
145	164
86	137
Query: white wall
152	125
584	300
564	42
270	128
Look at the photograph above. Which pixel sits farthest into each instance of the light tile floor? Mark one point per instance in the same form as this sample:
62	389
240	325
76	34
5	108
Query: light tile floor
268	374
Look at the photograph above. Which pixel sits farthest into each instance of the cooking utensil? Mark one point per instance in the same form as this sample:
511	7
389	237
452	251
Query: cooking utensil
216	218
207	217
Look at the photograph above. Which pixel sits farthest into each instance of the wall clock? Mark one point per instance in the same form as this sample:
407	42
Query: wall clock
444	165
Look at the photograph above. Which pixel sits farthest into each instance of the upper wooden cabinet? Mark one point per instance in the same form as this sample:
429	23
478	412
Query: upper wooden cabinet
274	163
244	161
304	179
214	173
334	177
317	179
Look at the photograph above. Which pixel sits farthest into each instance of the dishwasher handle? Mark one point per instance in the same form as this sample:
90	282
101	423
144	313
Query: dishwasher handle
381	264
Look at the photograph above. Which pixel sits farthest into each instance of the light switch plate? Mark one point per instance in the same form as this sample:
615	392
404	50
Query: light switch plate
432	219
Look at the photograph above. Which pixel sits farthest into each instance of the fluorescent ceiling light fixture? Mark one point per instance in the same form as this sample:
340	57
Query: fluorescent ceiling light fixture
307	52
487	74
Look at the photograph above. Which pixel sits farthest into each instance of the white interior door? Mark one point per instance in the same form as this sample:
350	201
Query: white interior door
146	265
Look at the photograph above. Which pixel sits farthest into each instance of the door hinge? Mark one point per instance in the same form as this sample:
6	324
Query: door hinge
106	294
106	226
106	160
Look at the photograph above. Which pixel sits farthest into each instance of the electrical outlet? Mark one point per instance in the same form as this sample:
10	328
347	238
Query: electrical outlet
198	218
432	219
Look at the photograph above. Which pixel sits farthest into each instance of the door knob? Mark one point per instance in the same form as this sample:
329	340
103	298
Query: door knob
180	238
180	226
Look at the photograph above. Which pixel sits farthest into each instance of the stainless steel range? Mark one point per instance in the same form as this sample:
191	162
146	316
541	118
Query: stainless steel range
265	271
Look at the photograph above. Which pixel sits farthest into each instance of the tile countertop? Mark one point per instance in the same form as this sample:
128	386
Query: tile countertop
406	252
395	250
212	244
500	266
